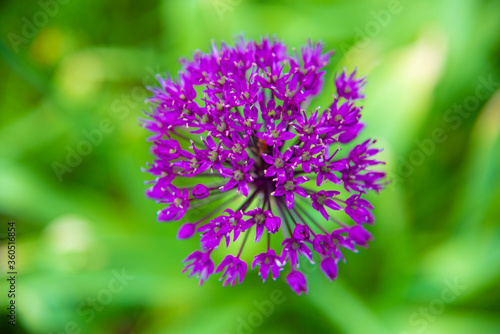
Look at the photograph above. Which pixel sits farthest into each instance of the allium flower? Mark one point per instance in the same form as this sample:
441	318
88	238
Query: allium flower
234	134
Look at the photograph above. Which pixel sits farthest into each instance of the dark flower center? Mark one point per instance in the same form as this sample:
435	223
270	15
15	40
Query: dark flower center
308	129
238	175
259	219
221	127
278	163
236	148
213	156
194	163
321	199
289	185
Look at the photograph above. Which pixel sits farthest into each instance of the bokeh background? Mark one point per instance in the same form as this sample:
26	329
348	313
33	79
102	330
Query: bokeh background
433	101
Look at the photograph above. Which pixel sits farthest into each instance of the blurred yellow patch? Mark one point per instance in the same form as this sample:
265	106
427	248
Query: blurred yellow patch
80	76
48	46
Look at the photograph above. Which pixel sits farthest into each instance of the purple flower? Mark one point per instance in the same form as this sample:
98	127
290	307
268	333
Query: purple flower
268	261
178	207
237	146
199	264
221	227
301	232
275	135
305	157
290	187
239	176
325	198
359	235
358	209
234	268
261	219
327	167
277	163
343	120
348	87
212	157
295	246
308	128
297	282
234	141
330	244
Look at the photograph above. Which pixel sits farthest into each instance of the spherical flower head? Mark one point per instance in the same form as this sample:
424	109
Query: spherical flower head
348	87
239	153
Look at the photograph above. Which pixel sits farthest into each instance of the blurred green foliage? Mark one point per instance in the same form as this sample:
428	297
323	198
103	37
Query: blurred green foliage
81	67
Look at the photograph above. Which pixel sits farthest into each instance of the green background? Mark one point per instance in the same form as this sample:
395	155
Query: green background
86	63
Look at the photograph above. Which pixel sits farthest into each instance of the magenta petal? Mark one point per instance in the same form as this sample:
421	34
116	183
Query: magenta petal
280	191
267	158
319	179
329	267
243	187
300	191
271	171
285	135
287	155
229	185
300	180
289	199
281	175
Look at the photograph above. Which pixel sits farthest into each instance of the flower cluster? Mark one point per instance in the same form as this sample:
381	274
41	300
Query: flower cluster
235	128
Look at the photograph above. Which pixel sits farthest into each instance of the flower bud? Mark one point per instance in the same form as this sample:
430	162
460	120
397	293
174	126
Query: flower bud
200	191
329	267
186	231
